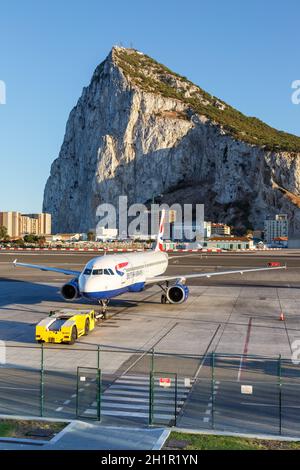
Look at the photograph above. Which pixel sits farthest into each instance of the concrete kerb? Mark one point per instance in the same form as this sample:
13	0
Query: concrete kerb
62	433
161	441
121	250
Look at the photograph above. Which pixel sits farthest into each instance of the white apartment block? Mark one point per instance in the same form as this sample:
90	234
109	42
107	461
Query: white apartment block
220	229
276	228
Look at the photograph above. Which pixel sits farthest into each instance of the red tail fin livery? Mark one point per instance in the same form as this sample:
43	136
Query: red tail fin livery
159	244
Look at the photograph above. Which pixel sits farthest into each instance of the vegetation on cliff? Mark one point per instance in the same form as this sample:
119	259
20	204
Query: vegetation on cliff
154	77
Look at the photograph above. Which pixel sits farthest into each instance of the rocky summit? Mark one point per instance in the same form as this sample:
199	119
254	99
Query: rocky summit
140	130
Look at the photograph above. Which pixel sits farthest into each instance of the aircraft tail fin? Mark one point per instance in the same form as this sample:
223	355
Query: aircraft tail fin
159	243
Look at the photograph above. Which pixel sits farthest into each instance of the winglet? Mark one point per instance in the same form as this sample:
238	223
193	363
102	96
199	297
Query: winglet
15	262
159	243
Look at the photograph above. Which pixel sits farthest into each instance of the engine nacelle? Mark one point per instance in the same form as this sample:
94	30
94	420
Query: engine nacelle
177	294
70	291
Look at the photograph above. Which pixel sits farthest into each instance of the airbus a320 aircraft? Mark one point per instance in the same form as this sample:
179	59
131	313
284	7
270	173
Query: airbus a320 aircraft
108	276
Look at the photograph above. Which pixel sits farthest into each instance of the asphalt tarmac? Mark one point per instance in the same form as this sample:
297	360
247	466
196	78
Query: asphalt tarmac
236	317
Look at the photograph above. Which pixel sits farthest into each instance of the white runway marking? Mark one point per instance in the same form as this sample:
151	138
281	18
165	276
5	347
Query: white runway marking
18	388
245	352
182	256
269	405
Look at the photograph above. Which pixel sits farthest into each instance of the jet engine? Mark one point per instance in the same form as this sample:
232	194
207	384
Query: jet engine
70	291
177	294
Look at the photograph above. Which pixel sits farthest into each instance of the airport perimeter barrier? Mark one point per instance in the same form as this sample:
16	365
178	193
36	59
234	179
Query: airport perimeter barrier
124	386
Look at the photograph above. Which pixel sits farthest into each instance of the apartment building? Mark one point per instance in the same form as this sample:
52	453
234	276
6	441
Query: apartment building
220	229
19	225
276	228
11	220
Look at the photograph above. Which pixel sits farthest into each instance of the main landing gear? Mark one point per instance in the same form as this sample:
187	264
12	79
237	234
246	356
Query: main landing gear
164	298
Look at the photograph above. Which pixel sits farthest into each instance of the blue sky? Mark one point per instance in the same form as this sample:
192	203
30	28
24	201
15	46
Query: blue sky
246	53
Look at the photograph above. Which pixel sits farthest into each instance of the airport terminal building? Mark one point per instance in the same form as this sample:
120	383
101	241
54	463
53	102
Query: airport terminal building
229	243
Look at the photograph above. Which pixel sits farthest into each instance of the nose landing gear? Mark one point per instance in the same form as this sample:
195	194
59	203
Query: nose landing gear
104	305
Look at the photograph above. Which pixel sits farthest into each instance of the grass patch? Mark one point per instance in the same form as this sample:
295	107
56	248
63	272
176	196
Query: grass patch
186	441
24	429
153	77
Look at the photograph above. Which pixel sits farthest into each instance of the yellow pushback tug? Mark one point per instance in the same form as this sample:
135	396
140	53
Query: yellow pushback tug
65	326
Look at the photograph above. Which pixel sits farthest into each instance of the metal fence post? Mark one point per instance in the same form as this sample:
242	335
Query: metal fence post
98	356
42	381
280	394
152	360
175	414
98	394
213	390
99	387
77	392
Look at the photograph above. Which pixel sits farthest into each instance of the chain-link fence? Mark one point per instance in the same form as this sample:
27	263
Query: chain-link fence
238	393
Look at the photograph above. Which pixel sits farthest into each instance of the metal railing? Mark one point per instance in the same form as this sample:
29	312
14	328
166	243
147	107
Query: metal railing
130	386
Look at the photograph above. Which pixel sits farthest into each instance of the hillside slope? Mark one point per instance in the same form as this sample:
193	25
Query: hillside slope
140	129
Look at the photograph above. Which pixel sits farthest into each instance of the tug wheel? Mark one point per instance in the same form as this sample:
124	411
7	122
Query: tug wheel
73	335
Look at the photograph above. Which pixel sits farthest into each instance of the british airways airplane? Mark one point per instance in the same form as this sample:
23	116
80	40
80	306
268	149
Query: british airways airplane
108	276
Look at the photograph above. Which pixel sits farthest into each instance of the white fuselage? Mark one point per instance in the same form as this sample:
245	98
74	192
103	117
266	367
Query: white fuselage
107	276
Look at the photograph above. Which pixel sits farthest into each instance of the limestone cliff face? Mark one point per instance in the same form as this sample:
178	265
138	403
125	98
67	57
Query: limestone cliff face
125	138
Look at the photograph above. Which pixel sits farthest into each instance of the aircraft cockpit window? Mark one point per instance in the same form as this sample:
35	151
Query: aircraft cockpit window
87	272
97	272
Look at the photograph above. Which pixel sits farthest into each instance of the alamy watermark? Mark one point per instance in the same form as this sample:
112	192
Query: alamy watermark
137	219
296	94
2	92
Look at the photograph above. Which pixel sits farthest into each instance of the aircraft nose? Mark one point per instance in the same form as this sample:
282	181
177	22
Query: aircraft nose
86	284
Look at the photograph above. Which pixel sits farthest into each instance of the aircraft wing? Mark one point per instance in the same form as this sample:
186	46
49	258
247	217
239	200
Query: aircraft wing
47	268
183	277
